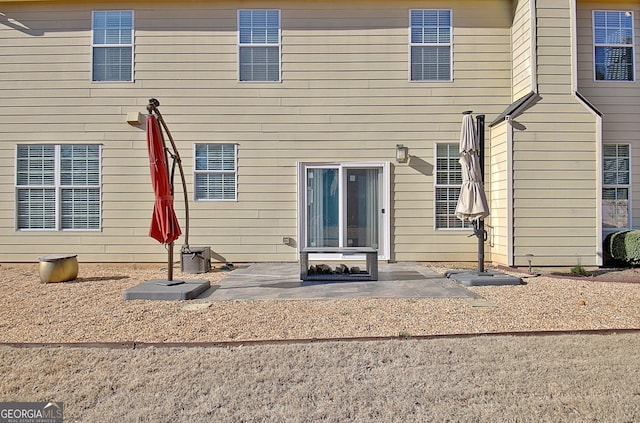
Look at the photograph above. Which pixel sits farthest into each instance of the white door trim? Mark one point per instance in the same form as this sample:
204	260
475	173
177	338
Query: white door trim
385	203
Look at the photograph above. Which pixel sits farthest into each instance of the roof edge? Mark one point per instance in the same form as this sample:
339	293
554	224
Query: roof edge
516	107
587	103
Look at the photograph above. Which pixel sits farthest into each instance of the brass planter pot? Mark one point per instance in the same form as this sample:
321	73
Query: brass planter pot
58	268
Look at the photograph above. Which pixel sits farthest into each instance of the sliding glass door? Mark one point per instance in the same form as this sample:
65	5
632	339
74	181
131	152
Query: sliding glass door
363	208
343	205
323	208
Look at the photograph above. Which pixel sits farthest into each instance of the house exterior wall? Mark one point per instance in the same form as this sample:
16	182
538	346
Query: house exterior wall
523	57
498	187
554	157
619	102
498	182
344	96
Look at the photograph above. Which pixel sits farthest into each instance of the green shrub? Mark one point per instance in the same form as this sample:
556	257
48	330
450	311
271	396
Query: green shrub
579	270
624	246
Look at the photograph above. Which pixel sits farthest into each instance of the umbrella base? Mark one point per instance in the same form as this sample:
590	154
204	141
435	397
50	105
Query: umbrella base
162	289
482	278
168	283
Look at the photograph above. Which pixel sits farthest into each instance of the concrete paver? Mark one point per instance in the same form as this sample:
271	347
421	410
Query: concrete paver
261	281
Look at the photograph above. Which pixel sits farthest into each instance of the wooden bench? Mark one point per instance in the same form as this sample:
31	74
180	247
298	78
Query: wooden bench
371	258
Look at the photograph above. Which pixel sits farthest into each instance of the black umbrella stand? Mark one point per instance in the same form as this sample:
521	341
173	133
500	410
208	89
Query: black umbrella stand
478	225
481	277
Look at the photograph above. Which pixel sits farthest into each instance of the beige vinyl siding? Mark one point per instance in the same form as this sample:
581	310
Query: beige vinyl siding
522	56
554	158
497	187
345	96
554	186
619	102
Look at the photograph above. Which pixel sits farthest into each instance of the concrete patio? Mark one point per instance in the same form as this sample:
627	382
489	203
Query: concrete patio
262	281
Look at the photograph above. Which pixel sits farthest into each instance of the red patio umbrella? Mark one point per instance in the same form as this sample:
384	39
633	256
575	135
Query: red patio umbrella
164	222
165	227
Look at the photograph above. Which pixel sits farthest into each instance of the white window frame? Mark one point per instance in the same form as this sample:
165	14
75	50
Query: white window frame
266	44
453	166
95	45
618	185
58	187
613	44
384	239
423	44
232	172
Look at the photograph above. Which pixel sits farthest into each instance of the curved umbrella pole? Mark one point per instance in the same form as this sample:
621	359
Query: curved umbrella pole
152	107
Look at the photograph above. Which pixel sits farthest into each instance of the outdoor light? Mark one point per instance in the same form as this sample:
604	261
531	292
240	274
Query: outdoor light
134	118
402	153
529	259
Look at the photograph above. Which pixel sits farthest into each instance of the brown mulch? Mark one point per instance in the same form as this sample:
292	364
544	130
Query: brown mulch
622	275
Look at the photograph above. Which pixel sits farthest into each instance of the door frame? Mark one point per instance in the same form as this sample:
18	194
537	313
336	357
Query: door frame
384	240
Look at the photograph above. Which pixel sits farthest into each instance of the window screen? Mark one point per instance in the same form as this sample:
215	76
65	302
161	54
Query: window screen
215	172
613	45
259	45
58	187
430	45
112	45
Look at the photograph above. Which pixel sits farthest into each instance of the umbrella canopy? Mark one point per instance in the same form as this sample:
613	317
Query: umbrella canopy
472	202
164	222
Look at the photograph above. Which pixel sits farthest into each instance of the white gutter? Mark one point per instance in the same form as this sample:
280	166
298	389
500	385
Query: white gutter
509	191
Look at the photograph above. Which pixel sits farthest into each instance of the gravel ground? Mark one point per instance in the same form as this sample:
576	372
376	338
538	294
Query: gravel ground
91	309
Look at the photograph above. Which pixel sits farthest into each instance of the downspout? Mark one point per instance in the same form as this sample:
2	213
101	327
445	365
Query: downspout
509	190
599	182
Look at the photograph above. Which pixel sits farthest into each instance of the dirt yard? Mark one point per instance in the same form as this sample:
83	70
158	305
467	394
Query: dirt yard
569	378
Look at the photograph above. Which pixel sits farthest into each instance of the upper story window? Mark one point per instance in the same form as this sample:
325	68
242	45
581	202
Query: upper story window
431	46
259	45
448	178
613	45
58	186
215	172
112	44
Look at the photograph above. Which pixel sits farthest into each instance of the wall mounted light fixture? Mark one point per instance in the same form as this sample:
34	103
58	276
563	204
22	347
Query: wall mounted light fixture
402	153
135	118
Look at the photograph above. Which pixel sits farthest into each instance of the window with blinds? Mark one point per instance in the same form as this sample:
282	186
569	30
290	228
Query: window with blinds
215	172
431	45
112	44
259	45
616	185
58	187
448	179
613	45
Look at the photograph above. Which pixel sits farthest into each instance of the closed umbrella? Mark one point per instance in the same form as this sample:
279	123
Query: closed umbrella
164	222
472	203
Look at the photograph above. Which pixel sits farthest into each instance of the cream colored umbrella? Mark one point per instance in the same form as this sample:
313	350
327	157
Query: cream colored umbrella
472	202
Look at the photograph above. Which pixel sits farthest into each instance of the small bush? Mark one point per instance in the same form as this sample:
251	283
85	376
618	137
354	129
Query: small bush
624	246
579	271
